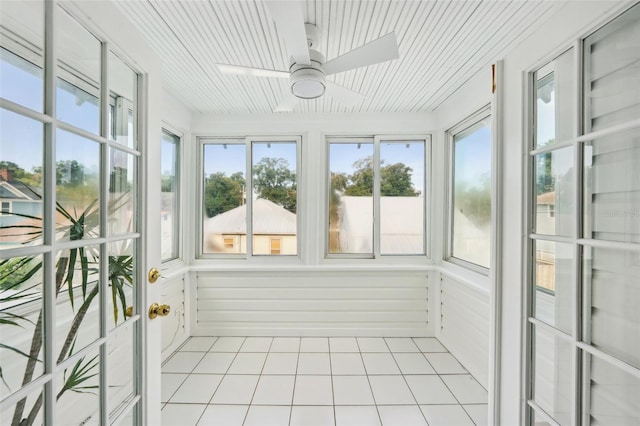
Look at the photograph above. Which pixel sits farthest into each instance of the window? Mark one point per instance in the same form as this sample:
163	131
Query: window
249	192
6	207
170	199
275	245
229	243
584	232
382	178
469	235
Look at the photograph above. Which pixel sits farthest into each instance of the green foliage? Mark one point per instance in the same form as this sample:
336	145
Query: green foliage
361	181
223	193
474	202
274	181
546	181
32	179
395	180
80	373
70	173
168	183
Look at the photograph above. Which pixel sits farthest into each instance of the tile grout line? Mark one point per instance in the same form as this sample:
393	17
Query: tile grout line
329	353
295	381
188	374
221	380
447	386
368	380
333	394
405	379
259	378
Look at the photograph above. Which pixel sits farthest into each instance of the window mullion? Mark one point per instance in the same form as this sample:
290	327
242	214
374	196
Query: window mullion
376	197
249	198
578	367
49	210
104	248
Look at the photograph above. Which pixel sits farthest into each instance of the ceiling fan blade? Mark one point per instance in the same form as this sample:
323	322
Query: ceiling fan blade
289	21
346	97
286	104
255	72
380	50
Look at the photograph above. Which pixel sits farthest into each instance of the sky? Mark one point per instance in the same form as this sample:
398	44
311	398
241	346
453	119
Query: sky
21	138
28	152
473	156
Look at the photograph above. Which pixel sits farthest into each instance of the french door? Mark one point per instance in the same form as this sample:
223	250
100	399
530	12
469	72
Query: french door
73	257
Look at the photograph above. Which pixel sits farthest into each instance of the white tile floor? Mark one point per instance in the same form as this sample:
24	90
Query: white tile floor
318	381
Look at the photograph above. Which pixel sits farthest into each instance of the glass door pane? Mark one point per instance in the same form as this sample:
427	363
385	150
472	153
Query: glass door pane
79	76
21	75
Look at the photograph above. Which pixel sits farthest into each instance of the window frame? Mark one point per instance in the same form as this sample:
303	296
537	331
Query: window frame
6	211
376	141
583	352
177	221
475	118
247	141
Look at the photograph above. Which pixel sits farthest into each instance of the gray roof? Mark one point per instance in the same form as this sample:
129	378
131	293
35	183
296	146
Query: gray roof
268	219
16	190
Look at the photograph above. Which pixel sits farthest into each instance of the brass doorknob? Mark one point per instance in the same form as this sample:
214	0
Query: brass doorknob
154	274
129	311
156	310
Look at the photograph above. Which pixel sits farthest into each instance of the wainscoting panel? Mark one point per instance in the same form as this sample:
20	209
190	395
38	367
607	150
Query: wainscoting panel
464	325
312	304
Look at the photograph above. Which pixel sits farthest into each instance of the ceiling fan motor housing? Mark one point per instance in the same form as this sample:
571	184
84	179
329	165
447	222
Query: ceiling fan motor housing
308	81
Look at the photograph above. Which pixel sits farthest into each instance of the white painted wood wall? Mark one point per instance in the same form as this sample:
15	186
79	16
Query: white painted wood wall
312	303
464	325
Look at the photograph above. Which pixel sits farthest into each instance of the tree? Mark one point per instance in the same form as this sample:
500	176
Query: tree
168	182
15	172
223	193
474	201
361	181
395	180
274	181
70	173
546	181
12	169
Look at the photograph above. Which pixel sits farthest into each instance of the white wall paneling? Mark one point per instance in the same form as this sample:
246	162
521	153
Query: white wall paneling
175	326
313	304
464	325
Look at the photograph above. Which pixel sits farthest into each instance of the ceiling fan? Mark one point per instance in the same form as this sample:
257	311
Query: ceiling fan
308	70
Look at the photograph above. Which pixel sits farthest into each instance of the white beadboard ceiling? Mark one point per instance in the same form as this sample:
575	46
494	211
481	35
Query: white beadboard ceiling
442	44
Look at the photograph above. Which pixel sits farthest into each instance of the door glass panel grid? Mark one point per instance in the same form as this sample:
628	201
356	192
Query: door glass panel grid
611	189
70	82
605	244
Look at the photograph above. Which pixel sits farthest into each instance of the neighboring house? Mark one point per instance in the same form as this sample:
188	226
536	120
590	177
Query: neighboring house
401	225
16	199
274	230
